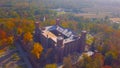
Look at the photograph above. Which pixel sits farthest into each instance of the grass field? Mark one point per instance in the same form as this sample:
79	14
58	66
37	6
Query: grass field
93	15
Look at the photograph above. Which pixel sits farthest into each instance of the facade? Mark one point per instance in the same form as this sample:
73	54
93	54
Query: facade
62	40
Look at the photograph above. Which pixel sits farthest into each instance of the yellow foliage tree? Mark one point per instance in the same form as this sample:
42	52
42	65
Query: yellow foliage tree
10	40
67	62
52	22
10	25
65	24
37	50
51	66
89	39
19	31
28	37
99	48
114	54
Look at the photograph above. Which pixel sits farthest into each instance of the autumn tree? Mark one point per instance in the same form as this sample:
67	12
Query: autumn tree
110	56
51	66
3	42
10	40
65	24
2	34
84	62
106	66
89	39
37	50
95	61
98	60
19	31
67	63
28	37
10	26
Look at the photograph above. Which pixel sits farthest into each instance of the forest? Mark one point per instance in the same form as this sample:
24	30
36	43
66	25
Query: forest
18	21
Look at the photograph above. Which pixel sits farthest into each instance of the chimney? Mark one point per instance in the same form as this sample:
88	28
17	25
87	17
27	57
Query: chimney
58	21
37	24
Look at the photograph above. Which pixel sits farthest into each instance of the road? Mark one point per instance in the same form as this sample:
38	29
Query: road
23	55
7	55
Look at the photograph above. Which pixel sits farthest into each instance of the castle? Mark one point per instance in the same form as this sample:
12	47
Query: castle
63	40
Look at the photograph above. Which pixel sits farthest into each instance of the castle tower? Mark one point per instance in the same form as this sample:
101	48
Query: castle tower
58	21
37	33
59	48
82	41
37	24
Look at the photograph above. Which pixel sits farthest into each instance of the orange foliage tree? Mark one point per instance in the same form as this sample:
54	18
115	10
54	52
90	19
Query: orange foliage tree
3	42
106	66
2	34
19	31
10	40
28	37
10	25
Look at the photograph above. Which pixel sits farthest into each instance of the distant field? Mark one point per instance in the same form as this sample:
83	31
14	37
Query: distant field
102	9
93	15
99	11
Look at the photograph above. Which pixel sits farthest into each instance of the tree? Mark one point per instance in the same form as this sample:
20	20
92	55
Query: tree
37	50
89	39
51	66
110	56
28	37
95	61
2	34
4	42
67	62
19	31
84	62
10	25
98	60
106	66
65	24
10	40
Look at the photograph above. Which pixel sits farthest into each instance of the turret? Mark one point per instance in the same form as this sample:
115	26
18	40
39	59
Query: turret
37	28
37	24
82	41
58	21
59	50
83	35
37	33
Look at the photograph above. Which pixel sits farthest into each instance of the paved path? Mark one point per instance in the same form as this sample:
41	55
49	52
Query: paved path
7	55
23	55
